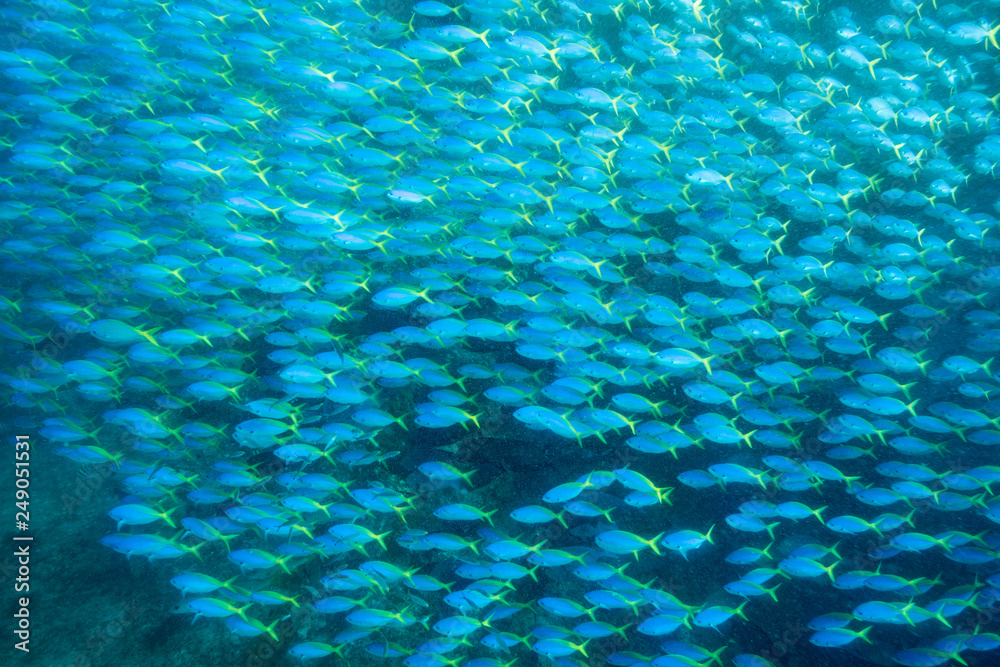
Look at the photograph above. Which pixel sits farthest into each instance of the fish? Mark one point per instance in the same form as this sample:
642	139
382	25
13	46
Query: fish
476	267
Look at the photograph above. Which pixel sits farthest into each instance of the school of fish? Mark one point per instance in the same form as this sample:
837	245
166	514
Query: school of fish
308	265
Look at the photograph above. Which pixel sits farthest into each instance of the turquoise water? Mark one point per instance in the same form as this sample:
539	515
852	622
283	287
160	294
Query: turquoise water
402	333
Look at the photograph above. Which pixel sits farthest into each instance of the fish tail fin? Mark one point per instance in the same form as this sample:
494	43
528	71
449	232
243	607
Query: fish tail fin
715	655
871	66
228	584
148	334
242	612
770	529
194	550
707	362
777	244
218	172
552	54
269	630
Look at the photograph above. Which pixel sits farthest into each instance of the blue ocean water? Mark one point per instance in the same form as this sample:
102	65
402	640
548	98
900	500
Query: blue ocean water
509	332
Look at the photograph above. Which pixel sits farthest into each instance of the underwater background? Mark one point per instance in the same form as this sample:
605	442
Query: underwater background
510	332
